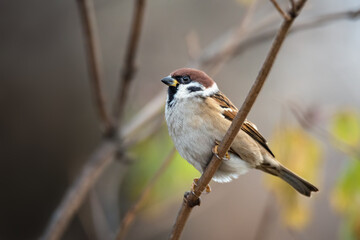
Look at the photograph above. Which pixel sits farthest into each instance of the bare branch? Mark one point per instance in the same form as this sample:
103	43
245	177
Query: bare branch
260	36
87	13
148	130
152	109
96	164
75	196
129	67
130	215
239	34
279	9
192	199
105	153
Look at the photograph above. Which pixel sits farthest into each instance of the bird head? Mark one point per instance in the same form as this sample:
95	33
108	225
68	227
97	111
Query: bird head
188	83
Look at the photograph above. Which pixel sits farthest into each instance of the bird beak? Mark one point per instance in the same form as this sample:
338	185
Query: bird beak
170	81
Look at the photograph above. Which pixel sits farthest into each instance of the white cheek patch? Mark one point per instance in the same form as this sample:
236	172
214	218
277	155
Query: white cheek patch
195	89
189	90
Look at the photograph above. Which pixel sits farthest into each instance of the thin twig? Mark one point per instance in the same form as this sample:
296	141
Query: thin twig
232	43
192	199
98	162
327	18
131	213
279	9
129	67
87	14
254	38
150	111
75	196
152	127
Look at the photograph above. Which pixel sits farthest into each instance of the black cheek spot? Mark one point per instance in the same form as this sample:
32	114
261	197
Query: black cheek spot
194	89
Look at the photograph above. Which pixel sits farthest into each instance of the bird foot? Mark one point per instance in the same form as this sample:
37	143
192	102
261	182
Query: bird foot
191	204
216	153
207	188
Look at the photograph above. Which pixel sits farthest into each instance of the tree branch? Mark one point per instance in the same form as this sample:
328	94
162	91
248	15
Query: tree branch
217	53
192	199
130	214
75	196
87	14
96	164
105	153
129	67
150	111
239	34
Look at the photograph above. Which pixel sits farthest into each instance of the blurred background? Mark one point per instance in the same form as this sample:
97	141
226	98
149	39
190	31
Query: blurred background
308	110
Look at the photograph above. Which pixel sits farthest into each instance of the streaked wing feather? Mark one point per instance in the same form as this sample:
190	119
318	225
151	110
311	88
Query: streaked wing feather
249	128
230	111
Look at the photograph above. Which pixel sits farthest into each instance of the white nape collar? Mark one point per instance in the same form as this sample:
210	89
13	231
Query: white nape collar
211	90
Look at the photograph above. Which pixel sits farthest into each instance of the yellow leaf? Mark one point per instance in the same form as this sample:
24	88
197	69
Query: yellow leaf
301	153
346	127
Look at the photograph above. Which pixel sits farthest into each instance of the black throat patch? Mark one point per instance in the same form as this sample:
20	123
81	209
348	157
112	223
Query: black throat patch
171	93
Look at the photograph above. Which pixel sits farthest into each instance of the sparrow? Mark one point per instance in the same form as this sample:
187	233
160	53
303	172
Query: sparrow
198	115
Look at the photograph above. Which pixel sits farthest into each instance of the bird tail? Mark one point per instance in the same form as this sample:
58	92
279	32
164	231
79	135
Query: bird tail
298	183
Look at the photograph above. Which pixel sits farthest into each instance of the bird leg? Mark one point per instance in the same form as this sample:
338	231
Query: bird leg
216	153
207	189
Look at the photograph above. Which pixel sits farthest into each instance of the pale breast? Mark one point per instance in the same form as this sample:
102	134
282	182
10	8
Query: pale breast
194	130
192	135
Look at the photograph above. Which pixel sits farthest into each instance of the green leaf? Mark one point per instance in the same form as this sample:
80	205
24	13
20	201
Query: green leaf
346	199
346	127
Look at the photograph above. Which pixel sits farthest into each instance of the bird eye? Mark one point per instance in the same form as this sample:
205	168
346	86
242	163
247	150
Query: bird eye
186	79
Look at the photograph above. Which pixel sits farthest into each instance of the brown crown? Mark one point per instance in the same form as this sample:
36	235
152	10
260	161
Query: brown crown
195	75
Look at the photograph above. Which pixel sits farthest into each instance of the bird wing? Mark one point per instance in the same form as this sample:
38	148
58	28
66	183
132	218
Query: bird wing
229	112
251	129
